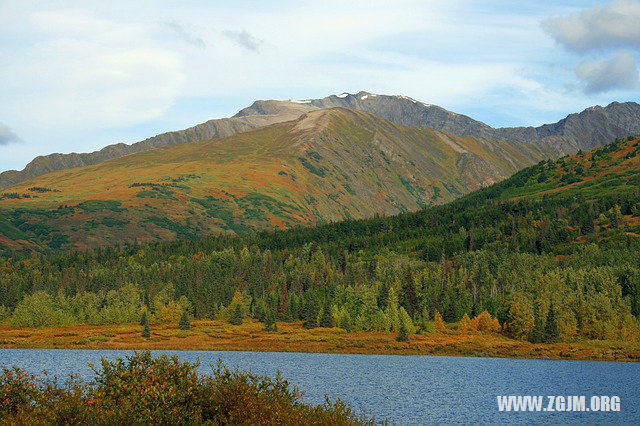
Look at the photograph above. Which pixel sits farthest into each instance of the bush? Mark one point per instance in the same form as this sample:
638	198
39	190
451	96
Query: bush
165	391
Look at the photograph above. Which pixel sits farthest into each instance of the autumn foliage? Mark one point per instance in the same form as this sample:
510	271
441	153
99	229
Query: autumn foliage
483	323
163	391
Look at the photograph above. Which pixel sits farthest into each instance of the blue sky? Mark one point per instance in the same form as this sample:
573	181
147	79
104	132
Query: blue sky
76	76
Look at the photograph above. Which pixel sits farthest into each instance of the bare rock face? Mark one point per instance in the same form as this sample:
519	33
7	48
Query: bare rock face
592	127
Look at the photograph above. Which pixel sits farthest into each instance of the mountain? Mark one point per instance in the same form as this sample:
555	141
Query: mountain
212	129
591	128
328	165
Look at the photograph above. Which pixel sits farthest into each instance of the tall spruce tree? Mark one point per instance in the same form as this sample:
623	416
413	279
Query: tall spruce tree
327	317
146	331
143	319
551	329
237	316
184	323
538	333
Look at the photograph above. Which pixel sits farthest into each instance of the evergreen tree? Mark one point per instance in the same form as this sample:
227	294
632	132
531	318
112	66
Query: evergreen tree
551	330
406	326
184	323
327	317
146	331
537	334
237	315
311	314
270	321
346	323
403	332
587	226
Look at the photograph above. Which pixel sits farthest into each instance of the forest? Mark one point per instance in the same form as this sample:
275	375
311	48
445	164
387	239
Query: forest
550	254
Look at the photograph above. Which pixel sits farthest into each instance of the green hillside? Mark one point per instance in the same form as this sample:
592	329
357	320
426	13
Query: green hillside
327	166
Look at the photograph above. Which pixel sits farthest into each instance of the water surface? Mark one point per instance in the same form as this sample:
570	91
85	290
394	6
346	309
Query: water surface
404	389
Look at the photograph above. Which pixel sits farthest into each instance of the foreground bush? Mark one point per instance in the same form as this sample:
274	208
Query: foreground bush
163	390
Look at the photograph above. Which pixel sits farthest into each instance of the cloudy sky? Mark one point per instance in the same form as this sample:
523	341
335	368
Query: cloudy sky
76	76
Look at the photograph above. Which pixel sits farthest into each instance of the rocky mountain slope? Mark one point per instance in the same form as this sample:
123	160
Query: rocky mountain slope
591	128
328	165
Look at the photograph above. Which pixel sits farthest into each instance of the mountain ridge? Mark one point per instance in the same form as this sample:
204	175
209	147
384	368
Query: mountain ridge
592	127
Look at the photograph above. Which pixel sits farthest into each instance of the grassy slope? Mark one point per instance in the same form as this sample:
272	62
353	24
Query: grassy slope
612	169
327	166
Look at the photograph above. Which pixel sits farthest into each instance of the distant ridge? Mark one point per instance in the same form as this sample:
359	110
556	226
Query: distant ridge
593	127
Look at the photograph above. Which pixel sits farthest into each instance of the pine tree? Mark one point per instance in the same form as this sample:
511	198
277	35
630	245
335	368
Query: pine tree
537	334
184	323
311	314
406	325
403	332
146	331
270	323
238	315
551	330
345	322
327	317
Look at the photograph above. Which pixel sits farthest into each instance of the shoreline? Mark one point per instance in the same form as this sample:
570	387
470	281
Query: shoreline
214	335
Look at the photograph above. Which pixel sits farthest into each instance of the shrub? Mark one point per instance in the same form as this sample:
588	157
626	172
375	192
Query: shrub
145	390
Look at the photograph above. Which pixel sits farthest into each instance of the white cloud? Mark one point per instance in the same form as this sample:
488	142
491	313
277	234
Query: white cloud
87	71
619	72
7	135
244	39
613	25
185	35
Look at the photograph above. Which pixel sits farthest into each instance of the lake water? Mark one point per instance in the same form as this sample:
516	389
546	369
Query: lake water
404	389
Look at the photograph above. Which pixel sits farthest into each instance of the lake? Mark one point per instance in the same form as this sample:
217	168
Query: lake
404	389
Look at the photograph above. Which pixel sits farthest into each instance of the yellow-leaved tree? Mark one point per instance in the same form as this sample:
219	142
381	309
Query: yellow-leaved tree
438	322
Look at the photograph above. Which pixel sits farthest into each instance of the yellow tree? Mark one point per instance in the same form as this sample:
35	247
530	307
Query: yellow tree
465	324
520	318
438	322
483	322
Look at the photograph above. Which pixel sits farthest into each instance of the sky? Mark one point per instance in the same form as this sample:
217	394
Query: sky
76	76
